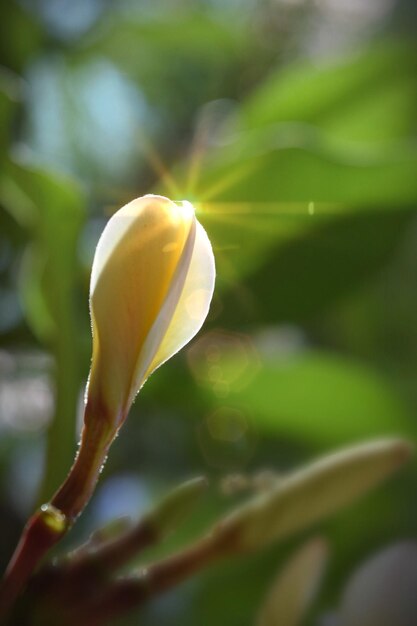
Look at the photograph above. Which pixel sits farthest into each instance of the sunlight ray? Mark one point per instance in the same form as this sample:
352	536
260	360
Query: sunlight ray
228	180
155	161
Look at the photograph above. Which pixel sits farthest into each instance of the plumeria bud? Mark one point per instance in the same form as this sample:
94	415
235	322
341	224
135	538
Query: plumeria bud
151	286
176	505
313	493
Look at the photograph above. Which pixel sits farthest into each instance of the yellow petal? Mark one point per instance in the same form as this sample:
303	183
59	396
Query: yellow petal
183	317
140	260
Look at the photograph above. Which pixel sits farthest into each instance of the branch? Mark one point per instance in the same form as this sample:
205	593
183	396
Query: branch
53	520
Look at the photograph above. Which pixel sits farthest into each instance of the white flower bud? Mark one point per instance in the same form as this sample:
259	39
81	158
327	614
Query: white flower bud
151	286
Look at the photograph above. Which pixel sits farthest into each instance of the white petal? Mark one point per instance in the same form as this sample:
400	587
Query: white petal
183	313
136	266
194	303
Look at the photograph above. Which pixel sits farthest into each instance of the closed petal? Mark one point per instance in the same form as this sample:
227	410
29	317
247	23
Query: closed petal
135	263
182	316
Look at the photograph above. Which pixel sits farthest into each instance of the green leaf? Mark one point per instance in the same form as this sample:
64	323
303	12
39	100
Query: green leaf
312	396
297	165
315	269
302	195
155	51
20	37
52	208
368	96
176	505
10	92
204	36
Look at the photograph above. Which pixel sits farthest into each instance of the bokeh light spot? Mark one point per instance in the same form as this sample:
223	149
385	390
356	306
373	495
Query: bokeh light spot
226	438
223	361
26	399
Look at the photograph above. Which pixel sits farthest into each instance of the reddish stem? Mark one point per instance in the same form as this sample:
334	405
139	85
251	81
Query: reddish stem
77	489
115	553
128	593
36	539
52	521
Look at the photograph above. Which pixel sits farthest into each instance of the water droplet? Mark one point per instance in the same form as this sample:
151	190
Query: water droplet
54	518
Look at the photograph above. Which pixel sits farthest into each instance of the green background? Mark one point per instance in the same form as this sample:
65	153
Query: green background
291	126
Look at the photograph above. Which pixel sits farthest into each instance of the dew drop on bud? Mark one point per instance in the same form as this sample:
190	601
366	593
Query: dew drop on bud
53	518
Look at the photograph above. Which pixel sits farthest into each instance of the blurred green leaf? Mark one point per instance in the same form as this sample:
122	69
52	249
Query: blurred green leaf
176	506
10	92
303	274
369	96
295	138
155	51
52	207
313	396
20	37
298	165
298	195
183	31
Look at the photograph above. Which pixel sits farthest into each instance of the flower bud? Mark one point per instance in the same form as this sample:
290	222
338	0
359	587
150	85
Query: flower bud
151	286
313	493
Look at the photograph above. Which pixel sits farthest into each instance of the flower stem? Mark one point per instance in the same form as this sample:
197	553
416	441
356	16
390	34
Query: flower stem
77	489
53	520
131	592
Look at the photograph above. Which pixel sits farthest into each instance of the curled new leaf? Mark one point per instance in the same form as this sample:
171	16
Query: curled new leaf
151	286
313	493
